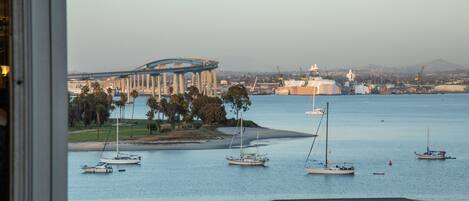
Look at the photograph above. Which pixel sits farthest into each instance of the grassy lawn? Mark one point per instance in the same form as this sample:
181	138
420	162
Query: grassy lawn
136	129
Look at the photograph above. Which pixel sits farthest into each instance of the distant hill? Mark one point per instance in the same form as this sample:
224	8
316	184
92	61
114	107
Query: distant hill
438	65
435	66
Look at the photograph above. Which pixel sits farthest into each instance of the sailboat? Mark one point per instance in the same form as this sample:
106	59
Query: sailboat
327	168
121	158
315	111
430	154
245	158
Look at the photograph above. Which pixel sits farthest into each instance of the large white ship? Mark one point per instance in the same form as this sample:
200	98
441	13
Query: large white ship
314	85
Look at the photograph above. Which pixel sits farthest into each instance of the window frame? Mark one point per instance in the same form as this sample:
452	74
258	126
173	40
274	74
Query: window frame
38	142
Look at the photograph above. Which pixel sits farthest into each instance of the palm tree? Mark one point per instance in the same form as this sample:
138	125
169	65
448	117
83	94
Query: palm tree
134	95
122	103
153	104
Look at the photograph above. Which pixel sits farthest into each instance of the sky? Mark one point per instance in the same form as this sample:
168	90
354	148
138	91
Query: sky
258	35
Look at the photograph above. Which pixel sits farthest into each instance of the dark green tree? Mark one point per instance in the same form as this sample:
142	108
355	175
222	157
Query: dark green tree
237	96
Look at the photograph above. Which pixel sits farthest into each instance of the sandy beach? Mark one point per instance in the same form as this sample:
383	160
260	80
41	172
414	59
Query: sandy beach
222	142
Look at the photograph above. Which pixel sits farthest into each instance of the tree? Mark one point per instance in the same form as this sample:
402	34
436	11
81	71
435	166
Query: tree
123	100
181	107
213	113
237	96
134	95
73	111
152	103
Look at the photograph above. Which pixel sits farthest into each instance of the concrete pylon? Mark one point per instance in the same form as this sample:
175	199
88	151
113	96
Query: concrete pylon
153	86
158	87
127	87
165	87
142	78
197	80
209	83
215	84
193	79
182	83
175	83
136	82
148	82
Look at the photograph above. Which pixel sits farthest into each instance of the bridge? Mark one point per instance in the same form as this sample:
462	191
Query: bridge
152	78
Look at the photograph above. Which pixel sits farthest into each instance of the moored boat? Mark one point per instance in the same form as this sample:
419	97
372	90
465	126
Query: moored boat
431	154
315	111
327	168
247	159
101	167
121	158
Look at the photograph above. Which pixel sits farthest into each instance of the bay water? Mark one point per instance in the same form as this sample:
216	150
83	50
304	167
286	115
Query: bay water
365	130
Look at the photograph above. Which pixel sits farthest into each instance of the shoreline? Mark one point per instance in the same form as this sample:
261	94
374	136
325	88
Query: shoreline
223	142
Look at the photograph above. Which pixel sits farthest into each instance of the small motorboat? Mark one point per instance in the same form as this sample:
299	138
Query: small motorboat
101	167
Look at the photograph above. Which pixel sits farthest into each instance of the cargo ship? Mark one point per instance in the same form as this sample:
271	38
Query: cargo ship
315	84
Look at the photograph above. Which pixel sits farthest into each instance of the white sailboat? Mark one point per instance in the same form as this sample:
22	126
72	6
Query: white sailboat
431	154
327	168
315	111
121	158
245	158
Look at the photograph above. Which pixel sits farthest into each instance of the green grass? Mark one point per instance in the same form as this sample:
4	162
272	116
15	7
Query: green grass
137	129
127	130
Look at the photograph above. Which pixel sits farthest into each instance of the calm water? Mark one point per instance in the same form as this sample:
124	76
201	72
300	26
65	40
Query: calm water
356	135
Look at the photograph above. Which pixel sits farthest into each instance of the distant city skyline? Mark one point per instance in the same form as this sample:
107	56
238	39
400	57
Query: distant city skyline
258	35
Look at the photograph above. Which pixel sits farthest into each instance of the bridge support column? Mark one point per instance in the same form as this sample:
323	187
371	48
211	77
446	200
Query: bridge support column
202	88
193	79
182	83
158	87
153	86
119	84
215	84
175	83
134	82
198	79
137	87
204	82
209	82
128	87
140	84
148	82
165	87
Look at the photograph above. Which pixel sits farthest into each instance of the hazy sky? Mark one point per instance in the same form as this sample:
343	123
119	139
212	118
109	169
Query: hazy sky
250	35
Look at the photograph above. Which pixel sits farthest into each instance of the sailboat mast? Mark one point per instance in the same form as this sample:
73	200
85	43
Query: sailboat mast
428	140
242	132
117	137
327	129
314	99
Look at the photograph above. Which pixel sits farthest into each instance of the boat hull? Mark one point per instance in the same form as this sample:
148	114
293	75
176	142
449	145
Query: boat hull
314	112
329	171
96	170
120	161
430	157
246	162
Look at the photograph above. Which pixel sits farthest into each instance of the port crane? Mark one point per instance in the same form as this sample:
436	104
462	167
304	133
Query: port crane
280	76
253	87
419	78
303	74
